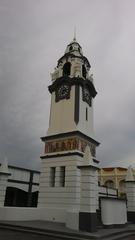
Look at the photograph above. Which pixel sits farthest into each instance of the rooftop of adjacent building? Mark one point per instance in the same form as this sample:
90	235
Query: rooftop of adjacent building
114	169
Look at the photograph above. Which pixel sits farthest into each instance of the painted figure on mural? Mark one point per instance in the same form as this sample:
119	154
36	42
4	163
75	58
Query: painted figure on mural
69	145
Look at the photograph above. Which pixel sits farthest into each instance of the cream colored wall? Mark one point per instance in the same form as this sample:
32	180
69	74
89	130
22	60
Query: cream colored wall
76	68
85	126
62	115
116	175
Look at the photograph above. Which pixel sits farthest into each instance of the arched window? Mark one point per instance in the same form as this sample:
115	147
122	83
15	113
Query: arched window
109	183
71	48
83	71
66	69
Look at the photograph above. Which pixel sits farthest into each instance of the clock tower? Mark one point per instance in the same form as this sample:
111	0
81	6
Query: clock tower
70	132
72	92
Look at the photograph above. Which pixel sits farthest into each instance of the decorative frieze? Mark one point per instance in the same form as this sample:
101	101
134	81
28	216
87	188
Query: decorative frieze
68	145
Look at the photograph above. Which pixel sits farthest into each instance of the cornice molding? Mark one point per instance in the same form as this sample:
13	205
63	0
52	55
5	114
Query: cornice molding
69	134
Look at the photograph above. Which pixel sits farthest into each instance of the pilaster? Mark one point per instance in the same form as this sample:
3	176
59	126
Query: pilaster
130	190
88	199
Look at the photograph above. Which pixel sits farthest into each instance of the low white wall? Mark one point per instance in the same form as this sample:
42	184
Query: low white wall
113	211
27	214
18	214
52	214
72	219
21	186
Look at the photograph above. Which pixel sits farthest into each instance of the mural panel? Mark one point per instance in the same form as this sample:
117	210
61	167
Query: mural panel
68	145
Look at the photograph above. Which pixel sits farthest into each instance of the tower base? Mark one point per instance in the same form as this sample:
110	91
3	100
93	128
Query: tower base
88	221
131	217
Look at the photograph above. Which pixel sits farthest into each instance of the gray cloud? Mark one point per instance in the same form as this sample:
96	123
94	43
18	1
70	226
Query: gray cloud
33	36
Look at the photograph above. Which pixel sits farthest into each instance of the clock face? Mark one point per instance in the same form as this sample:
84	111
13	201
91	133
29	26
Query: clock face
63	92
86	95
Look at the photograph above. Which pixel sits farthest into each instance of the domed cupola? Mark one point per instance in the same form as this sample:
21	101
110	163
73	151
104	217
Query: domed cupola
73	63
74	48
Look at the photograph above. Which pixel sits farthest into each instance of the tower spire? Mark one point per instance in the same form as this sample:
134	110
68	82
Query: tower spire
74	39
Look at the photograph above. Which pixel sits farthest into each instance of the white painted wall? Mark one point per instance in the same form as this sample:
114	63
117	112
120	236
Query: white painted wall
35	188
27	214
23	175
18	214
36	177
72	219
130	191
67	197
113	211
19	174
3	185
107	191
88	201
23	187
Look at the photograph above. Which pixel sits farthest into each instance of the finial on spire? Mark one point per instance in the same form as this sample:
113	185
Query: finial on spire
74	39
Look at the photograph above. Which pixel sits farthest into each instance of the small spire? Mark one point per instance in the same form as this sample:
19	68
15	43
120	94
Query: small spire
74	39
87	155
129	176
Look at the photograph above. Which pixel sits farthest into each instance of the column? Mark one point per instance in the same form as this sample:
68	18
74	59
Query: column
29	199
88	196
130	191
88	201
97	189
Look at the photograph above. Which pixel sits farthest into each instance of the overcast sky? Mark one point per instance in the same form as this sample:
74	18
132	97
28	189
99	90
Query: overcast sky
33	36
